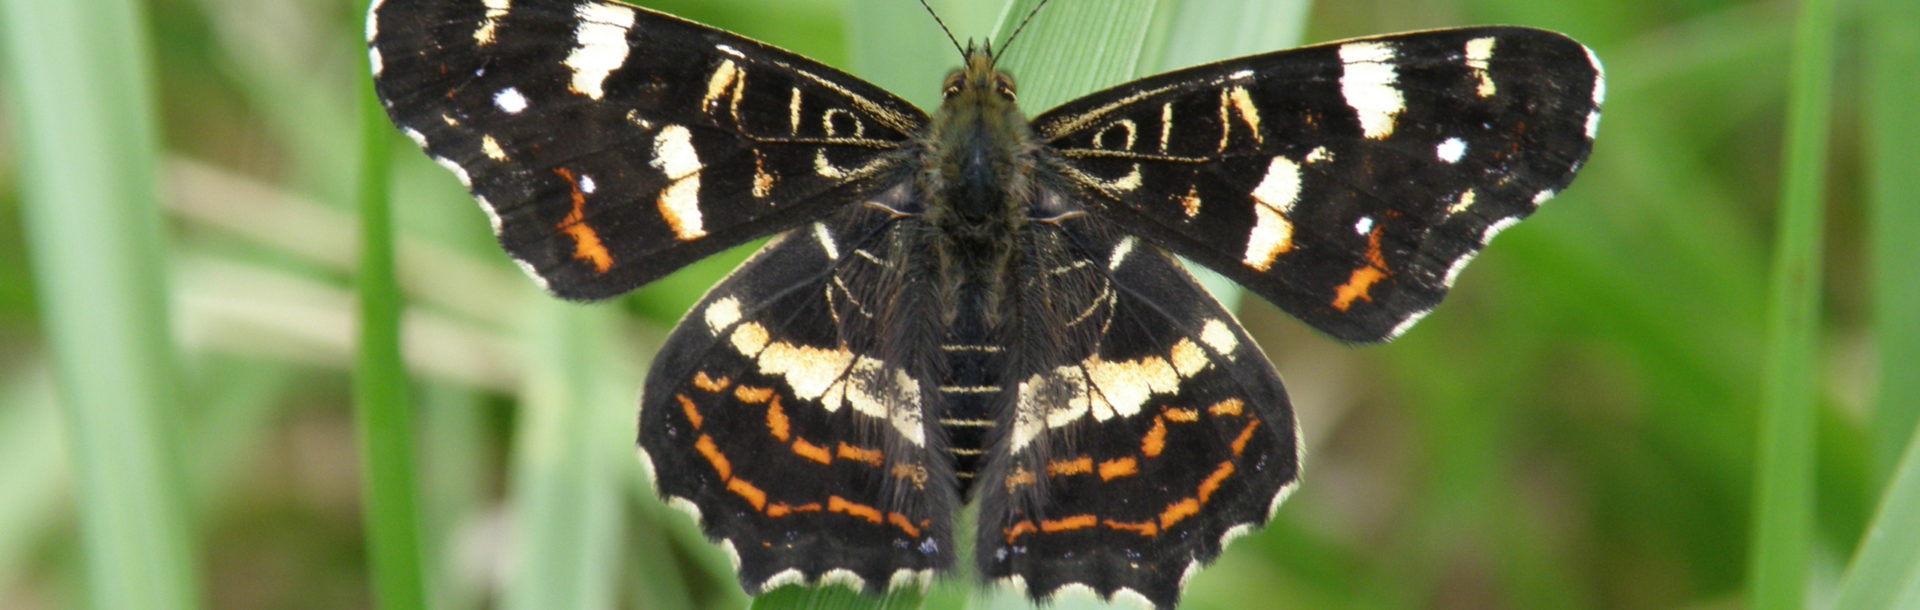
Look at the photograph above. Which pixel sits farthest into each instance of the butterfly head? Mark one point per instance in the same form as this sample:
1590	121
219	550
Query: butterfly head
980	79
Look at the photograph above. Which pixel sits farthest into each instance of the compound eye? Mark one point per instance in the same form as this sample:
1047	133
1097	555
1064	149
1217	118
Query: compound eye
952	86
1004	85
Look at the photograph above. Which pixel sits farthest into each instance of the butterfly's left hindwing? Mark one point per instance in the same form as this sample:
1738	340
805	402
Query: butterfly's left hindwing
785	414
611	144
1348	183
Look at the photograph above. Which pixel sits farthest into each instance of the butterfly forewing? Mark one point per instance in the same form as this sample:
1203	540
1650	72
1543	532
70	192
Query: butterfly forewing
1156	432
1348	182
611	145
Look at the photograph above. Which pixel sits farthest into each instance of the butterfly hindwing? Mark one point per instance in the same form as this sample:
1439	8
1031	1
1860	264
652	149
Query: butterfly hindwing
611	144
793	428
1348	182
1156	433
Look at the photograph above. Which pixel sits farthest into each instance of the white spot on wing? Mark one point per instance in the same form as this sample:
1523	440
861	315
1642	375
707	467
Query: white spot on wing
730	51
1496	228
1453	271
510	101
492	148
1542	197
496	9
679	203
821	235
373	20
1120	253
903	578
527	268
1463	203
1272	233
1593	123
686	506
1451	150
1240	75
1364	225
843	576
646	464
417	137
1407	324
373	59
1369	83
1479	54
493	218
722	314
458	172
789	576
1319	154
600	46
1219	337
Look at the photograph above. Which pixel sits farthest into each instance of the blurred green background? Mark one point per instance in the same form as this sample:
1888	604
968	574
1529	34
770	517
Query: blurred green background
1617	408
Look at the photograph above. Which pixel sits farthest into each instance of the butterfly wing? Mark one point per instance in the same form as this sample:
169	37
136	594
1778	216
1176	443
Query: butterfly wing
1349	182
1141	430
611	145
789	413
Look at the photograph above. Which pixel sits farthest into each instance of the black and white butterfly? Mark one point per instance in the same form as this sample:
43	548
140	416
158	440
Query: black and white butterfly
971	306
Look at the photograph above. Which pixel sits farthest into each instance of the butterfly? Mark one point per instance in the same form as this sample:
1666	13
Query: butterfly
969	306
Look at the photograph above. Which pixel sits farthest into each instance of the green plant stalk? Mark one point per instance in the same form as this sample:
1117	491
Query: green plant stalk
82	93
1783	503
383	409
572	431
1893	202
1889	556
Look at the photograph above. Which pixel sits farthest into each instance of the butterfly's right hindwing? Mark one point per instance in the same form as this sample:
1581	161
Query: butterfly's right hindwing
611	145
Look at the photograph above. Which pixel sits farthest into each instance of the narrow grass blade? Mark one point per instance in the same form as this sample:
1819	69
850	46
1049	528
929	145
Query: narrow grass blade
1783	503
383	409
78	77
573	430
1892	132
1887	565
1073	48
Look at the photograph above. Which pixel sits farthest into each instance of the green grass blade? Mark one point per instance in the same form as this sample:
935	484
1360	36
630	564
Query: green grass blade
1893	198
573	430
1888	562
78	76
389	484
1783	519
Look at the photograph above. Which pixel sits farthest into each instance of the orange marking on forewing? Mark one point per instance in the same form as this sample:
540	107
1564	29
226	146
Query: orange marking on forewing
1177	511
1123	467
1182	415
712	452
811	451
1069	468
586	243
900	521
1069	524
1144	528
1363	279
1213	481
702	381
1246	435
752	395
1019	529
1226	407
754	496
777	422
693	411
1156	439
838	504
870	456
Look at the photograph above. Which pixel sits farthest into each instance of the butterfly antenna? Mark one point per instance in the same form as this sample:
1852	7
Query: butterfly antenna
943	28
1023	25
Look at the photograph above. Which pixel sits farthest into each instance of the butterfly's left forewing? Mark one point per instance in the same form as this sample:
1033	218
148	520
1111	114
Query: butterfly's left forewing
610	144
1348	182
